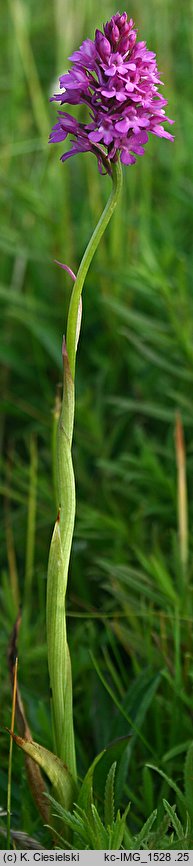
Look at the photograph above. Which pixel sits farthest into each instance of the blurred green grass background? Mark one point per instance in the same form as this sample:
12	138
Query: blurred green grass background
130	585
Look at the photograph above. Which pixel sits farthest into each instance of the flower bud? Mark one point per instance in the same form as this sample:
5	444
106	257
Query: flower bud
125	29
124	45
132	39
112	32
122	19
102	45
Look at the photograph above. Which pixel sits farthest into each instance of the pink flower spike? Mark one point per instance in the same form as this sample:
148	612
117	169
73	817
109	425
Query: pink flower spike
66	268
116	78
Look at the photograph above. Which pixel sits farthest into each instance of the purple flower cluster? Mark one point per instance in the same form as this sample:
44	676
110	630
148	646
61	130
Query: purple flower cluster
117	78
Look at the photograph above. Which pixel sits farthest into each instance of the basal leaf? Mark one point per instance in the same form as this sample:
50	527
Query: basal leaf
58	774
109	796
86	793
175	822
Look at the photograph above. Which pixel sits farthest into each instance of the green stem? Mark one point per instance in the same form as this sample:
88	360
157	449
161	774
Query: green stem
58	654
31	520
86	261
60	549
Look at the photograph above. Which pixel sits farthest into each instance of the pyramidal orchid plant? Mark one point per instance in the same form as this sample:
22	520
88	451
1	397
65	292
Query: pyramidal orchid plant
116	78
